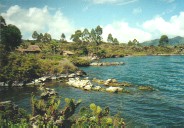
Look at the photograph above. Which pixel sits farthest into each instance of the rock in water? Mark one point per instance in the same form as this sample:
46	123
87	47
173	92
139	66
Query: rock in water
106	63
114	89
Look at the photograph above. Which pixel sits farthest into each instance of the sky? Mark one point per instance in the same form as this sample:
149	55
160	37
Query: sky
124	19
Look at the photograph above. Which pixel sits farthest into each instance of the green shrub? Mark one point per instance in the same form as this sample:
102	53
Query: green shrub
80	61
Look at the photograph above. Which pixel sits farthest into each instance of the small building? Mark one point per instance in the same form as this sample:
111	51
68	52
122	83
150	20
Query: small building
30	49
67	53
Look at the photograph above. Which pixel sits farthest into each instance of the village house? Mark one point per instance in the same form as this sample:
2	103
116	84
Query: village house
67	53
30	49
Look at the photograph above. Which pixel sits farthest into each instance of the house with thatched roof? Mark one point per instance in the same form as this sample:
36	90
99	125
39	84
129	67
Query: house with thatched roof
67	53
30	49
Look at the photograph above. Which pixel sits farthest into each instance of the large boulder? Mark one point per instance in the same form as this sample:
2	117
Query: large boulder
106	63
114	89
88	87
111	82
73	75
97	88
83	84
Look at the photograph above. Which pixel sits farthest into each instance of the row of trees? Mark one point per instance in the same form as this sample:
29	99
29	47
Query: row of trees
94	36
41	38
110	39
46	37
11	36
133	43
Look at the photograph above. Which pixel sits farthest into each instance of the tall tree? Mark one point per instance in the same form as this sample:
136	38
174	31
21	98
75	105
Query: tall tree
35	35
130	43
63	37
54	46
99	32
164	40
135	42
2	22
110	38
40	37
92	36
86	35
77	36
47	37
115	41
10	37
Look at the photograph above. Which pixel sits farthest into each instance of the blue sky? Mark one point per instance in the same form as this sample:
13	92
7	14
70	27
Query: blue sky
125	19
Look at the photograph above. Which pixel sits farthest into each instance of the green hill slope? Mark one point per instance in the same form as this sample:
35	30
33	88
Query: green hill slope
172	41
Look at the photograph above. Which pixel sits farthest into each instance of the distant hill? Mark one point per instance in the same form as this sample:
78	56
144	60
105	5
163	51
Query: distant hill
172	41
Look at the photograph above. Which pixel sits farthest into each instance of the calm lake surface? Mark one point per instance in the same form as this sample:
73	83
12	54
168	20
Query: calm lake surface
163	107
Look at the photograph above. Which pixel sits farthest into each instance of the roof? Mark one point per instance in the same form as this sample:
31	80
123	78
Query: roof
32	48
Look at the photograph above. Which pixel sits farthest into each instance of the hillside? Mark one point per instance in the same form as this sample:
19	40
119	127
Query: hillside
178	40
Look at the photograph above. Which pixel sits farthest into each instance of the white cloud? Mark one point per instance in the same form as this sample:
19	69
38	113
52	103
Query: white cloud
173	27
38	19
137	11
119	2
123	32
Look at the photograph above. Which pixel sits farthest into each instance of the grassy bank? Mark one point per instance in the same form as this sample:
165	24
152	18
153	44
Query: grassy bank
51	60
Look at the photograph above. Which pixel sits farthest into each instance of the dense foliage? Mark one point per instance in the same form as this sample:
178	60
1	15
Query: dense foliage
47	112
10	36
164	40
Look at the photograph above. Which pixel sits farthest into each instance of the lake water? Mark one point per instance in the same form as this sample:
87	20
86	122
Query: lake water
163	107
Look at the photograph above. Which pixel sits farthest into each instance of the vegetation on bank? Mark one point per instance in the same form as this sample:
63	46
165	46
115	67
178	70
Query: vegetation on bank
47	112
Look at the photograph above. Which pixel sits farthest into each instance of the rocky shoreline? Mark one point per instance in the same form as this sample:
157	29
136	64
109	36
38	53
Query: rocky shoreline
42	80
74	80
106	63
110	85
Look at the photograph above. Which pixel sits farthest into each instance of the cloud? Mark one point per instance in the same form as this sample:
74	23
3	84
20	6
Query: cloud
137	11
119	2
173	27
123	32
38	19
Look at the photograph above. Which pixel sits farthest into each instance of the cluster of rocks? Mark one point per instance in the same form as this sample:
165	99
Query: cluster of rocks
111	82
42	80
114	89
83	84
13	84
86	84
106	63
